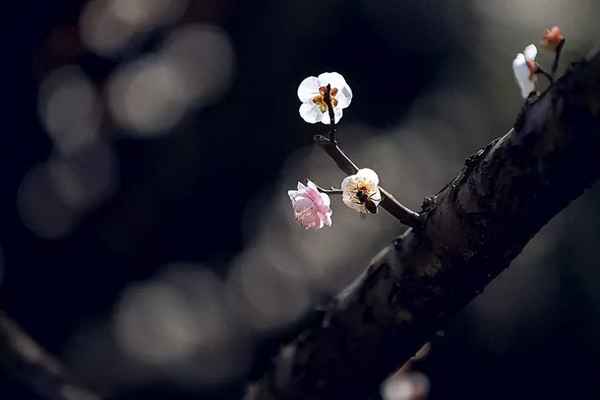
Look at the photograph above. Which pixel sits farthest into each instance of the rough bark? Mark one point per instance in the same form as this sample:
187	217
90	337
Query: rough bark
25	361
472	229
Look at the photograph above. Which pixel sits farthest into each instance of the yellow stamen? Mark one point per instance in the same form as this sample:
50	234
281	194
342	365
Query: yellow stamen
319	100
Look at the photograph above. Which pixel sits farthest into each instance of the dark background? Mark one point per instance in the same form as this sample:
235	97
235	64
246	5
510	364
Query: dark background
200	202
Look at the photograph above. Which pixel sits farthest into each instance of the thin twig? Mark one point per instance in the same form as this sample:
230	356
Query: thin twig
412	364
398	210
339	157
388	201
332	190
541	71
329	103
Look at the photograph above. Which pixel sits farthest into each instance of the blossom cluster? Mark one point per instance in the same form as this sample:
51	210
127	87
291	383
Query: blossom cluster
360	191
312	208
324	98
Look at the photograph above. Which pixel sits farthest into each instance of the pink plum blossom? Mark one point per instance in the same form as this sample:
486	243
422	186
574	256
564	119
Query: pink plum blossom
311	208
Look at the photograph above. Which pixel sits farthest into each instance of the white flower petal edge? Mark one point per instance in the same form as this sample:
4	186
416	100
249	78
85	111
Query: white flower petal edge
530	52
308	89
311	113
522	70
338	113
336	80
368	175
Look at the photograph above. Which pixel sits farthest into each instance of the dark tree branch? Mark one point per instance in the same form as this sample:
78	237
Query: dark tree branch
398	210
472	230
27	362
330	145
329	191
414	363
541	71
557	54
337	155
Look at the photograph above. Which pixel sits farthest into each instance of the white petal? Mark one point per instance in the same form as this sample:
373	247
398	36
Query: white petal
311	113
301	187
522	73
308	88
344	97
530	52
336	80
348	184
369	175
349	201
376	196
292	194
337	115
327	220
311	184
326	199
349	193
332	78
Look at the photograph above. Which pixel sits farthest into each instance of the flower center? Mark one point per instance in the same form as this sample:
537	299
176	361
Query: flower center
319	100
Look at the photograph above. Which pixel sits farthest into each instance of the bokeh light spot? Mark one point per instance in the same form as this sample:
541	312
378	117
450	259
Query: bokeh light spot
69	109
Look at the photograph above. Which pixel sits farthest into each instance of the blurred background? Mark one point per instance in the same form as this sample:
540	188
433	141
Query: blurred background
146	235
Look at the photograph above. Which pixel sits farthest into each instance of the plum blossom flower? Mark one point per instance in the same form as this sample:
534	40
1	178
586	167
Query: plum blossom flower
311	208
312	91
553	37
524	67
361	192
406	386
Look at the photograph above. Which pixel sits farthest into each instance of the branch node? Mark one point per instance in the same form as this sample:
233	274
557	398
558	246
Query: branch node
321	140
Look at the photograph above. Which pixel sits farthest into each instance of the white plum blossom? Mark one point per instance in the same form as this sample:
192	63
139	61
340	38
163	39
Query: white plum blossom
361	192
405	386
524	67
312	91
311	208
